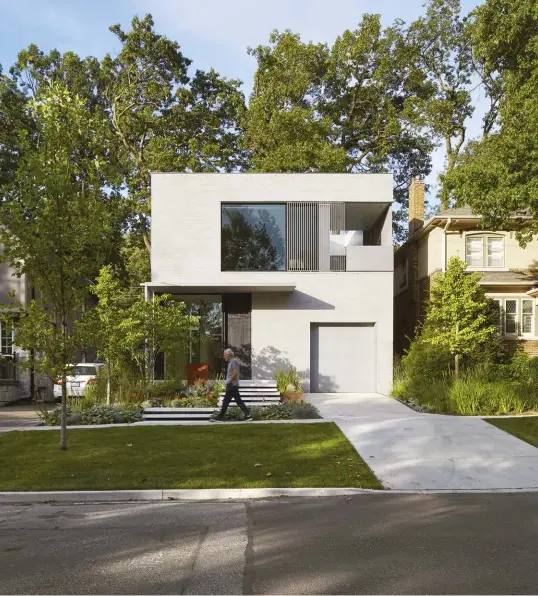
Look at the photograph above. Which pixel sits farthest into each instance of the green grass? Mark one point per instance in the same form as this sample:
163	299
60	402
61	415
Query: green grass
525	429
166	457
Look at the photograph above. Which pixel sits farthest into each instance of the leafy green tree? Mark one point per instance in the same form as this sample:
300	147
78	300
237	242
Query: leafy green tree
440	47
159	118
459	316
345	108
497	175
102	326
13	119
54	226
159	325
162	120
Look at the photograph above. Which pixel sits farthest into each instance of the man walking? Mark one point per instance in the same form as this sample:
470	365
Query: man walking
232	388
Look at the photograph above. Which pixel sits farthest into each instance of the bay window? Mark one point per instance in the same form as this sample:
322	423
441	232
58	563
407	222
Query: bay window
516	316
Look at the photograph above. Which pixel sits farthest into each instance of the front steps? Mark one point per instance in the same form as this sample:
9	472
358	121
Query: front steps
253	393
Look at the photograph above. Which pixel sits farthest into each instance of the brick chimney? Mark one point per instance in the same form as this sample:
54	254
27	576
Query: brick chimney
416	205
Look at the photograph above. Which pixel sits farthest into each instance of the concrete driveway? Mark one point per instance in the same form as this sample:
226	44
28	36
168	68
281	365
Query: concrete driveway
408	450
372	544
18	416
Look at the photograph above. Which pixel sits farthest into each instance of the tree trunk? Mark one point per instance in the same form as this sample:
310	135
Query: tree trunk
63	414
108	401
457	365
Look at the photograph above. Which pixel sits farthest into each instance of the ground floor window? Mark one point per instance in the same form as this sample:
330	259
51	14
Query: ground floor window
7	365
516	316
224	322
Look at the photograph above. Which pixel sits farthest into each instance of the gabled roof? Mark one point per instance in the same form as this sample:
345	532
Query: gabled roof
456	212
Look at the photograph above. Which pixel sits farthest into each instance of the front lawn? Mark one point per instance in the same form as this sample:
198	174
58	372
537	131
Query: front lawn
166	457
525	429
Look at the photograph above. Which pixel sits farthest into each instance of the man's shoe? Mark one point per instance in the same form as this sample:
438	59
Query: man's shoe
248	419
216	419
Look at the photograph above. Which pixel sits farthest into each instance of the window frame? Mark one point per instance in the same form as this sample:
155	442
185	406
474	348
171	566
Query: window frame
11	342
485	237
532	315
519	299
254	204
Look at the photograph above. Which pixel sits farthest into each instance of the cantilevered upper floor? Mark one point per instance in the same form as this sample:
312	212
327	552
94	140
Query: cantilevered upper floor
207	226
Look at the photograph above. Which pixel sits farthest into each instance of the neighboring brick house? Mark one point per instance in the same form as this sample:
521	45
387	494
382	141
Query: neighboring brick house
509	273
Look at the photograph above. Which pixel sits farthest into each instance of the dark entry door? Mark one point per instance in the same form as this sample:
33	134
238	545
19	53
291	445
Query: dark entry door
237	309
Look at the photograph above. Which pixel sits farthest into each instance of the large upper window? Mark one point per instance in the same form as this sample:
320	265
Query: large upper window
253	237
484	252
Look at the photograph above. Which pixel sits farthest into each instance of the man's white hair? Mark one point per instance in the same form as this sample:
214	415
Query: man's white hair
229	352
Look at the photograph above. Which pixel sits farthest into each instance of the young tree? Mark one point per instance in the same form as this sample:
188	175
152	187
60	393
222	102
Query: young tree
54	226
459	315
159	325
102	326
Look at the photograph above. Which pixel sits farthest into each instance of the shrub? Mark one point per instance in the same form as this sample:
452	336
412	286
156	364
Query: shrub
99	414
431	394
524	369
425	360
131	415
304	410
232	413
475	397
52	417
286	378
281	411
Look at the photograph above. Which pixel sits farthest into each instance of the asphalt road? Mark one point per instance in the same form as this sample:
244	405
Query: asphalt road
372	544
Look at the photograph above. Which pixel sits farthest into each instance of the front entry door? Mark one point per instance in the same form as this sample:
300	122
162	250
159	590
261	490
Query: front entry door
237	309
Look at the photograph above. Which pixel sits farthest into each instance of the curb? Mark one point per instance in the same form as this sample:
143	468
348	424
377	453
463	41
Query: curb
186	495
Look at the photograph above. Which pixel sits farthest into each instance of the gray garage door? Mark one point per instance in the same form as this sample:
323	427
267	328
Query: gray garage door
342	359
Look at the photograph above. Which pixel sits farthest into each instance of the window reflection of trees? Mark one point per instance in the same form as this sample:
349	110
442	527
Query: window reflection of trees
252	240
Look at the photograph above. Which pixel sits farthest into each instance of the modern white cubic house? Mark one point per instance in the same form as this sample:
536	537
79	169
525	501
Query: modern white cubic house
286	269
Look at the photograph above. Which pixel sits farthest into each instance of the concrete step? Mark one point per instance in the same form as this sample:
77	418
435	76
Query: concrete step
194	413
257	400
255	395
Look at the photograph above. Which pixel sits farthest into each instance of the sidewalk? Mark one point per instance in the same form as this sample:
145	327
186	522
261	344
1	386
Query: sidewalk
408	450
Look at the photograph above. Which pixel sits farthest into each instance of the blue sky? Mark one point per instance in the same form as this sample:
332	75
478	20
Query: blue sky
213	33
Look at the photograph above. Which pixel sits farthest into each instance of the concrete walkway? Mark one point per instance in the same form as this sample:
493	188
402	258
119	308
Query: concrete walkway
408	450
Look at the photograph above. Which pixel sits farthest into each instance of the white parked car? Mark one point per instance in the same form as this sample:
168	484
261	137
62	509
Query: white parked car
78	378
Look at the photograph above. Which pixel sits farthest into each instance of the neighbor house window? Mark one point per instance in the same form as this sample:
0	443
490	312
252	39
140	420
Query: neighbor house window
253	237
527	317
498	311
516	316
6	340
510	317
484	251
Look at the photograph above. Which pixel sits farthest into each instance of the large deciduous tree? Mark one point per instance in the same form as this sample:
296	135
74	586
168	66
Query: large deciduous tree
158	117
345	108
498	175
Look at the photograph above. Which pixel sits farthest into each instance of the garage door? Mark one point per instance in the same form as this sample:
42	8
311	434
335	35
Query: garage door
342	359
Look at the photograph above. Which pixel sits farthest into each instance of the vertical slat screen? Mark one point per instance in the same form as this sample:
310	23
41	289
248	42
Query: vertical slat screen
315	236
